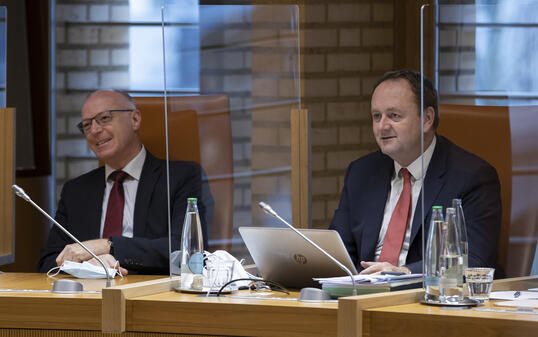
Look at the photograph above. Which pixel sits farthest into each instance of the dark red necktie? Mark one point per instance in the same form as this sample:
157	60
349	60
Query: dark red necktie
114	210
392	245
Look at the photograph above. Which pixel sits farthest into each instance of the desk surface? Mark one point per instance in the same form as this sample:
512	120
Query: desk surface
47	310
165	311
416	319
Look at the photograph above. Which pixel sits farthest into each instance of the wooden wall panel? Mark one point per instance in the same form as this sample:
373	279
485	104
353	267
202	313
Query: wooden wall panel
7	159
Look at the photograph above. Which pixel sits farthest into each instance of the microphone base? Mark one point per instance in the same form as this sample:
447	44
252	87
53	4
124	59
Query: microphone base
314	295
67	286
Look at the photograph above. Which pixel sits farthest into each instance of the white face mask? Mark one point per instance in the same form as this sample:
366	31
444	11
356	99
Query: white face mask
84	270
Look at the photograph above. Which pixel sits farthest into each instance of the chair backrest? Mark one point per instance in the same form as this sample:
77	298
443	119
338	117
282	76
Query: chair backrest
199	129
485	131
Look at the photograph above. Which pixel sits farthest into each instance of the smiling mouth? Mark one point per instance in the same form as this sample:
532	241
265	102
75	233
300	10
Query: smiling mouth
102	142
387	137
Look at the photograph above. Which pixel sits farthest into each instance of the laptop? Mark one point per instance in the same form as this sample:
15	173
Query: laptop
283	256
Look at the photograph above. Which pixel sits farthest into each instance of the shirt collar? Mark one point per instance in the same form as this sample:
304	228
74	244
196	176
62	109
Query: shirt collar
415	167
133	168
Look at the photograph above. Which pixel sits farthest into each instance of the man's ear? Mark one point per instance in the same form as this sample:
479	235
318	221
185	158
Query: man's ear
429	117
137	119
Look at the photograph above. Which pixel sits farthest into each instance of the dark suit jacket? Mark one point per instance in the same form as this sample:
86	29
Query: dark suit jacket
452	173
80	207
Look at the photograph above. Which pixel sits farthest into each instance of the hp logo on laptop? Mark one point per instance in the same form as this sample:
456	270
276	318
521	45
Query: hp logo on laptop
299	258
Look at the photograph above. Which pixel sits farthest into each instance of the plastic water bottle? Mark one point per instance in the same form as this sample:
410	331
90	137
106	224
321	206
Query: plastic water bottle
462	227
451	261
192	249
432	272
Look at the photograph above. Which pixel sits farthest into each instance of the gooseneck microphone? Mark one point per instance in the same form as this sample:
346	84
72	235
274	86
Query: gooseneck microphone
267	209
20	192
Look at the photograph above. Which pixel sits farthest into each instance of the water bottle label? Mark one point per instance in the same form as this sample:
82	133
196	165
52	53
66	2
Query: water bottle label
448	282
196	263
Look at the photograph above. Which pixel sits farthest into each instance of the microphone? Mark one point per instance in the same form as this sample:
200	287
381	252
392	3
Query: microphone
267	209
20	192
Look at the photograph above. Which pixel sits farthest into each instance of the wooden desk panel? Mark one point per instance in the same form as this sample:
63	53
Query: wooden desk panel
49	310
186	313
398	315
419	320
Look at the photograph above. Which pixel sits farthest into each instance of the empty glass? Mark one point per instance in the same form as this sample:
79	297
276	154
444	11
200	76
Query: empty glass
479	282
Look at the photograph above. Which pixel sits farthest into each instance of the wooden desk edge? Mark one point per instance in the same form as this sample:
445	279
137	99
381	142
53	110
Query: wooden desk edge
113	303
350	308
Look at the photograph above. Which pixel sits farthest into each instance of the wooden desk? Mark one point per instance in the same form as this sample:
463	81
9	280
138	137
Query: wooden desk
145	306
22	312
185	313
144	313
401	314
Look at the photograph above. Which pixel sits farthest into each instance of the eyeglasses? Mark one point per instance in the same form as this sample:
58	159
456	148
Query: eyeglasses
102	118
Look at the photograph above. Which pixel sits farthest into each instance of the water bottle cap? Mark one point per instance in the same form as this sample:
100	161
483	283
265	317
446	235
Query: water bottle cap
437	207
192	199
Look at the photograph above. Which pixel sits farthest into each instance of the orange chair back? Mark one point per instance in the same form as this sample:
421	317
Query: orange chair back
485	131
199	129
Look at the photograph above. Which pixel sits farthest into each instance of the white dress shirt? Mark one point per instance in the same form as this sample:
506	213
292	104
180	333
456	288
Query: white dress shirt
130	186
396	187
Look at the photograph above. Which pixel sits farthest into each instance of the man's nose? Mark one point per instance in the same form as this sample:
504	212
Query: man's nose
384	123
95	127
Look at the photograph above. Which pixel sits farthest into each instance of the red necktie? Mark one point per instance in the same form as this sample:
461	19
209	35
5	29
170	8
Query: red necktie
398	224
114	210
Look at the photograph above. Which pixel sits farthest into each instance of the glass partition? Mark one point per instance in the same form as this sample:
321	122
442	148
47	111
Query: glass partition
232	80
488	86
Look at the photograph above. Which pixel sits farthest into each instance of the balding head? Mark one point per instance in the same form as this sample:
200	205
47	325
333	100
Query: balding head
113	122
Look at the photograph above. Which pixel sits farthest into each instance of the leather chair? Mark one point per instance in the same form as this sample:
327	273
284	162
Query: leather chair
485	131
199	130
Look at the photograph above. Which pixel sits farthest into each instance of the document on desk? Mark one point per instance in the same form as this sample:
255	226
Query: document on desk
513	295
372	279
531	303
369	284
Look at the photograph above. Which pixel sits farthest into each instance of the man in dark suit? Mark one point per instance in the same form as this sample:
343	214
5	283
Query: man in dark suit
132	231
379	215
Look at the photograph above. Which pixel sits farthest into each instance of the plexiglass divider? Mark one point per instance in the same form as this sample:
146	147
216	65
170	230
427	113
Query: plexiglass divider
489	94
245	69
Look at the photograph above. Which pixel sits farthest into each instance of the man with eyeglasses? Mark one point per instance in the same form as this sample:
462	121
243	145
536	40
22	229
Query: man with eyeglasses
120	210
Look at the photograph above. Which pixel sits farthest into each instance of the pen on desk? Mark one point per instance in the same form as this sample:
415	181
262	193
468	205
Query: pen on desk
517	294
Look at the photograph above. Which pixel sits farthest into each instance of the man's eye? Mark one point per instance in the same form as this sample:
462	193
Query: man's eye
376	117
86	125
395	116
105	119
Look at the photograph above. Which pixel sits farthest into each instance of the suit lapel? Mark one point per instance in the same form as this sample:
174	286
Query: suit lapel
433	184
94	193
148	179
378	191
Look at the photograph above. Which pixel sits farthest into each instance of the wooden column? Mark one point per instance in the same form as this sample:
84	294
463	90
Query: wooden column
300	167
7	178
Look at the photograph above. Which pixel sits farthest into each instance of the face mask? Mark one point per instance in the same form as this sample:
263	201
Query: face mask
84	270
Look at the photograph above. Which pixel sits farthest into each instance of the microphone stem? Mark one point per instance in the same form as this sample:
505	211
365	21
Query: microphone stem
344	268
74	239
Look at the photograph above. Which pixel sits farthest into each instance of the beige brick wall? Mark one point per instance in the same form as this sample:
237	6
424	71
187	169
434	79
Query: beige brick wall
89	56
347	46
457	57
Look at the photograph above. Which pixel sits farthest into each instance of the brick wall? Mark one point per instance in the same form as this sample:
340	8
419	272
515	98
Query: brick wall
92	52
347	46
457	56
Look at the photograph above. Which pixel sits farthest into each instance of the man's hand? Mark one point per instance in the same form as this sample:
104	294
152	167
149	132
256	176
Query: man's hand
74	252
378	267
110	262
